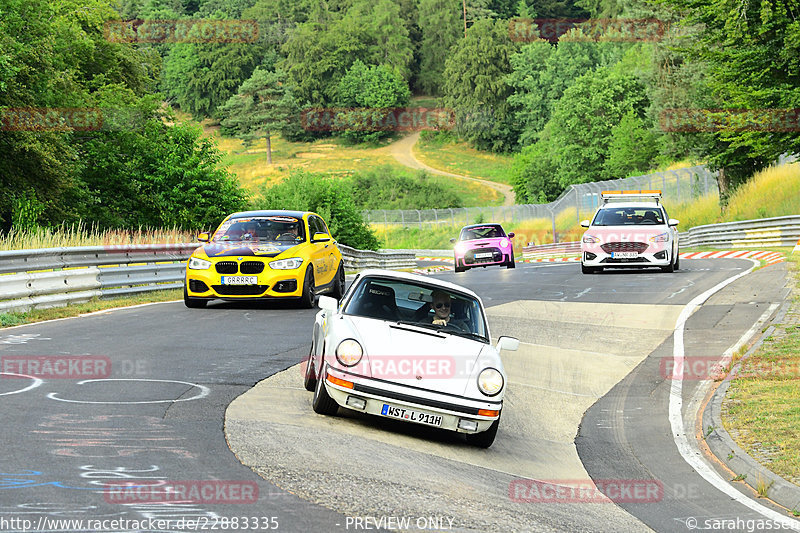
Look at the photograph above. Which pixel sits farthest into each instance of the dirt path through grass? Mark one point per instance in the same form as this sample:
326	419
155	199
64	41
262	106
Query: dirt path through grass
402	151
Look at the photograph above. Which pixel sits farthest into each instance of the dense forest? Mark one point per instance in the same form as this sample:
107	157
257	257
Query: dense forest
594	100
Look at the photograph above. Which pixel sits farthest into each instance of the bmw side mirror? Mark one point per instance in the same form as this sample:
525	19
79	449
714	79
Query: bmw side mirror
202	237
508	343
321	237
326	303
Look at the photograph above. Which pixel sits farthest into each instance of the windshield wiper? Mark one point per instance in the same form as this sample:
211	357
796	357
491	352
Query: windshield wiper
467	334
436	329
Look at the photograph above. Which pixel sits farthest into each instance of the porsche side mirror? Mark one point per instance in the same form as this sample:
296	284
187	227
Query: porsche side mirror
673	222
326	303
508	343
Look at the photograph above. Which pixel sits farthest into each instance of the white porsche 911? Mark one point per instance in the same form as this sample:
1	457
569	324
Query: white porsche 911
411	348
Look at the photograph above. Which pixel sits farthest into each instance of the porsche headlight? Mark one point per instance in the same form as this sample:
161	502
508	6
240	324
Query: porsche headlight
664	237
349	352
490	381
590	239
286	264
195	263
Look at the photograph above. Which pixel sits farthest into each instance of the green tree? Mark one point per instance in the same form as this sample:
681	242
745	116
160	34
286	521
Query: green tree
475	87
329	197
751	54
261	108
441	26
369	94
632	149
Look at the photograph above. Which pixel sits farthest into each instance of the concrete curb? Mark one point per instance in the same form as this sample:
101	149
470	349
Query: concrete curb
722	445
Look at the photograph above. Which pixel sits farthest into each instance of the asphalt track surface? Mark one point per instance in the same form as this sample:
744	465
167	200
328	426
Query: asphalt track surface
158	415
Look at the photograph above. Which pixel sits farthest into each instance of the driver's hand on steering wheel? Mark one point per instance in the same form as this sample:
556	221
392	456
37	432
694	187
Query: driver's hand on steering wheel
439	322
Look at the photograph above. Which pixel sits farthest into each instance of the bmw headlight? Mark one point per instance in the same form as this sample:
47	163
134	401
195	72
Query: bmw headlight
664	237
590	239
349	352
195	263
286	264
490	381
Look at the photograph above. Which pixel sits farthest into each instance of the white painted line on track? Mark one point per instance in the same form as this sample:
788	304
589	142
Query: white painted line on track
204	391
36	383
692	456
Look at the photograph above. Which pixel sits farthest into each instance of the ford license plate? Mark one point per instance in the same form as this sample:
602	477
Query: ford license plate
624	255
240	280
411	416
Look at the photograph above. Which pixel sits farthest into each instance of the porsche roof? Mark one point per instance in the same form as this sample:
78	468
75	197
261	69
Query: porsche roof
418	278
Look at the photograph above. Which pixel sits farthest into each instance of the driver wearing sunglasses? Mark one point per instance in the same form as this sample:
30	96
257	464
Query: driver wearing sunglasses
440	302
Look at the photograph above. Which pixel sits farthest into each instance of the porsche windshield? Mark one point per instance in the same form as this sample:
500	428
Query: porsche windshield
419	305
262	229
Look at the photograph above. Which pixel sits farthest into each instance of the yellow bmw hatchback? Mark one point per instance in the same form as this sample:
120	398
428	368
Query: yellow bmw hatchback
255	255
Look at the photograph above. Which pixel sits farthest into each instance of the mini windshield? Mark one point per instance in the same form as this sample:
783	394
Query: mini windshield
419	304
261	229
489	231
628	216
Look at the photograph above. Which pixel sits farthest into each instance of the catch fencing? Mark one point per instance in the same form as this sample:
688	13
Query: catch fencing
679	185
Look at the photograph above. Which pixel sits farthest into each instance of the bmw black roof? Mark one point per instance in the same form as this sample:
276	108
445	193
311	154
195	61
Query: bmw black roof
269	213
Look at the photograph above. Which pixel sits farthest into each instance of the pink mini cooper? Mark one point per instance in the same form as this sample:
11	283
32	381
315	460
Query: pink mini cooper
483	245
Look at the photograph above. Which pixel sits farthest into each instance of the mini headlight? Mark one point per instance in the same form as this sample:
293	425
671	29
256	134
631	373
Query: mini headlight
286	264
349	352
195	263
461	247
664	237
490	381
590	239
504	243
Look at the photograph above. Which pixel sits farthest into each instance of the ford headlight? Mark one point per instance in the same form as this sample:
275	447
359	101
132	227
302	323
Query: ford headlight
195	263
664	237
590	239
286	264
349	352
490	381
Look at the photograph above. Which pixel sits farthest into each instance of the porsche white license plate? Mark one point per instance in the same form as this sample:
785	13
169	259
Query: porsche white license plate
411	416
240	280
482	256
624	255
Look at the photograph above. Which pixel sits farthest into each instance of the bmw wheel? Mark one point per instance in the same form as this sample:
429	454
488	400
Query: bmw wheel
308	298
338	284
192	303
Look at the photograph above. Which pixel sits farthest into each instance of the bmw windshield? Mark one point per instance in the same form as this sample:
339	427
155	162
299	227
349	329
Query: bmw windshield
261	229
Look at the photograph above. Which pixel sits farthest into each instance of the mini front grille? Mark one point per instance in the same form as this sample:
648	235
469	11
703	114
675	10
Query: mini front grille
227	267
240	290
252	267
470	259
637	247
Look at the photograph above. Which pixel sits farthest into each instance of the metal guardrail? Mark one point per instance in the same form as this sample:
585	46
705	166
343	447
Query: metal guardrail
50	277
759	233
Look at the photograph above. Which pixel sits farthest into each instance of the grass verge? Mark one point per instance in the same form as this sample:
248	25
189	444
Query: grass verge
40	315
762	408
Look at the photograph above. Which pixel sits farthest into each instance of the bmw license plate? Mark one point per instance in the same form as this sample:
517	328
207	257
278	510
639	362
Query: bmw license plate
624	255
483	256
411	416
240	280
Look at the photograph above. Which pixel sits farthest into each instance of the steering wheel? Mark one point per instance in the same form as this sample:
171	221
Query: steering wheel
287	237
453	325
